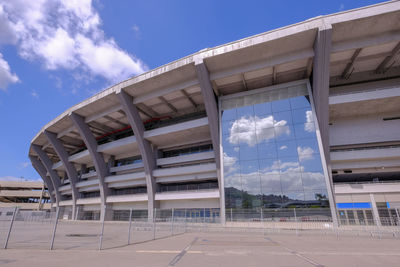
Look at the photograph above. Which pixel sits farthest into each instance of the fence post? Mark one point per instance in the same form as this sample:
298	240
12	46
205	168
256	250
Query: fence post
231	215
10	228
185	216
262	216
77	212
154	223
102	228
172	222
130	224
295	221
54	229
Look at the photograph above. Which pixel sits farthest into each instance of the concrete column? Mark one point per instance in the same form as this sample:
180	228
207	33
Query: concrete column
43	173
320	89
375	209
97	158
83	169
320	84
148	158
69	166
111	163
48	164
211	106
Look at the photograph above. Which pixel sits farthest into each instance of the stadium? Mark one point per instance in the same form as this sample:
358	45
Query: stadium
305	116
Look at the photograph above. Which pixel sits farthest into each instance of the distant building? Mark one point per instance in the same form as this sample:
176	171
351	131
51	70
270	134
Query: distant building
307	115
26	195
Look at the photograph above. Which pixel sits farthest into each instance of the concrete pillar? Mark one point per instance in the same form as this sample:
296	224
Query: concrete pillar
69	167
320	90
43	173
375	210
111	163
48	164
211	106
98	161
148	158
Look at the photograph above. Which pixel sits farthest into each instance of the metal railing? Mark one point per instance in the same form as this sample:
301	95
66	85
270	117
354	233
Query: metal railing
49	230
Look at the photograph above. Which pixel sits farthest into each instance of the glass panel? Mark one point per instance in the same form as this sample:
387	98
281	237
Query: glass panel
291	181
302	116
313	180
299	102
280	105
251	183
272	200
270	182
270	151
262	109
287	149
308	143
284	116
246	111
229	115
306	130
292	198
284	132
267	150
248	152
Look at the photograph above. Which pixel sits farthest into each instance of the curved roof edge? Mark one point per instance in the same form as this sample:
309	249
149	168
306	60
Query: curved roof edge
319	22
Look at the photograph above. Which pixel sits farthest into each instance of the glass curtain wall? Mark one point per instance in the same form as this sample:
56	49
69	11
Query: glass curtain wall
270	150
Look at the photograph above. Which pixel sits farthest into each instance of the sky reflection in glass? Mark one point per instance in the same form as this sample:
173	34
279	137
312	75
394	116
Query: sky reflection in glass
271	157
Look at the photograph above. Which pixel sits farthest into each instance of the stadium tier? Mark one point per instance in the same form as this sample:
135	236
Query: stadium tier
304	116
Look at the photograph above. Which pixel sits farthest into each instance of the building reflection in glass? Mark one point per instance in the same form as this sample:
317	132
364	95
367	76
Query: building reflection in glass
270	151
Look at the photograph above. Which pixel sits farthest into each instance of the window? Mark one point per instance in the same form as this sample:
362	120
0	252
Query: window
270	150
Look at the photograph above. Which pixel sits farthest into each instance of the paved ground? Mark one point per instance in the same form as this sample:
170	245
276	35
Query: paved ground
222	249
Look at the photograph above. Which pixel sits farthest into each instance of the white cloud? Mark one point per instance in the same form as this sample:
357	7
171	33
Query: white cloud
283	147
136	31
229	164
6	77
58	50
135	28
309	126
66	35
280	175
34	94
7	35
25	164
244	130
305	153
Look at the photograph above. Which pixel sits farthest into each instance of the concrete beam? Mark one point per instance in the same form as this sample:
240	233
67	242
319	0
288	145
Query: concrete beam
189	98
320	87
211	106
69	167
146	151
365	42
98	160
48	164
384	64
273	61
38	166
170	106
349	67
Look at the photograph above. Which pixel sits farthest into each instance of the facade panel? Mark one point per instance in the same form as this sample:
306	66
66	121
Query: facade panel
270	150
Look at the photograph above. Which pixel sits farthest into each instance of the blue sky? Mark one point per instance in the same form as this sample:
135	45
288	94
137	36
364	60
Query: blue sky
54	54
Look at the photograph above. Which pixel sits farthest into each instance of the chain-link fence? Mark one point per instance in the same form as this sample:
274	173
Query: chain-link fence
56	230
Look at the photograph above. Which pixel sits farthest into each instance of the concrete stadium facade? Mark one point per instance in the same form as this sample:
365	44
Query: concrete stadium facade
26	195
156	141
